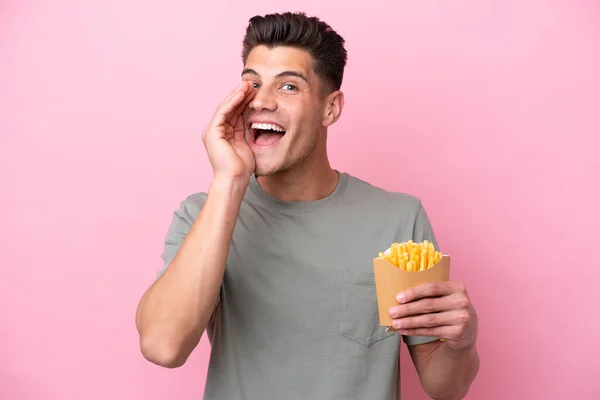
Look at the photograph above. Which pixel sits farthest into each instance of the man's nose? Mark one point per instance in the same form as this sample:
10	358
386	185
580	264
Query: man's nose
263	100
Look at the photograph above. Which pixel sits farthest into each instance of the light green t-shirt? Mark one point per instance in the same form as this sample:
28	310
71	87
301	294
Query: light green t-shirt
297	314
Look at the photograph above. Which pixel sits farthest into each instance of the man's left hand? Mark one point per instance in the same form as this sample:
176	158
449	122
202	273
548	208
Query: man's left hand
441	309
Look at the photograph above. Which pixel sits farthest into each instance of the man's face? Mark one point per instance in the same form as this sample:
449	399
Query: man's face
283	120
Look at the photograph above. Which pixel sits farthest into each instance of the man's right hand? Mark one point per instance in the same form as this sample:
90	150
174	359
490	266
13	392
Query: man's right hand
228	152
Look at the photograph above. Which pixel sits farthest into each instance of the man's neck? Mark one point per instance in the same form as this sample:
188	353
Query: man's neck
301	183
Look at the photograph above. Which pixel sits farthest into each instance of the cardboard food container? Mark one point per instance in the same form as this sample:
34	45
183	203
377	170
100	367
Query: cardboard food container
390	280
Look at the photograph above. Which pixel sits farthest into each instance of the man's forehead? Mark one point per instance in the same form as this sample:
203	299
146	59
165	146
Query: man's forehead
272	61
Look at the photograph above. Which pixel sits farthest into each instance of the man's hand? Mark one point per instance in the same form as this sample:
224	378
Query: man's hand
228	152
441	309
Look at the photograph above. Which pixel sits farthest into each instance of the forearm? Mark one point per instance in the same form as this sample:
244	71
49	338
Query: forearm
448	373
174	312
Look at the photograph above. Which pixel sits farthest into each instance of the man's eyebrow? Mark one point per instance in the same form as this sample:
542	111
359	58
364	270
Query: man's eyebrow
292	73
250	71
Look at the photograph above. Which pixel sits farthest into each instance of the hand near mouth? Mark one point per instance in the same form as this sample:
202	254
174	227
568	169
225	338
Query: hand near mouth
228	152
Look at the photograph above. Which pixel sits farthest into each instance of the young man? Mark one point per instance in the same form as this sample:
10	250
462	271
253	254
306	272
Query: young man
275	260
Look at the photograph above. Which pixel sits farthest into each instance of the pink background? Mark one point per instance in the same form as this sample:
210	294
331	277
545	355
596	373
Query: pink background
487	110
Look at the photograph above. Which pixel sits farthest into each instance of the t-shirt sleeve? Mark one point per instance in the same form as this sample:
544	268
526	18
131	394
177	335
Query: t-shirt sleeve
180	226
422	231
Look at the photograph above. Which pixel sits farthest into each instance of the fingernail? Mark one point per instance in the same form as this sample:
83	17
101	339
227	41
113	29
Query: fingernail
400	298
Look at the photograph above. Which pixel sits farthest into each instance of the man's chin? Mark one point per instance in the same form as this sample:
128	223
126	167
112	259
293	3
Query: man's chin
262	172
266	169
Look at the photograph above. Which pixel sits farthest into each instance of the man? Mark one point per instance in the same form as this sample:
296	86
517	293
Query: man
275	260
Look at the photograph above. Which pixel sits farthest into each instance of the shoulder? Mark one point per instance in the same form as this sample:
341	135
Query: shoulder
190	206
383	198
196	200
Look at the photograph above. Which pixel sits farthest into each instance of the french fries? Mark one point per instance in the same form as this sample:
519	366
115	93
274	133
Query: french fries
412	257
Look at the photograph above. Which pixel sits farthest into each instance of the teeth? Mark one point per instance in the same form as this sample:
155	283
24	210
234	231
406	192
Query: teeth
272	127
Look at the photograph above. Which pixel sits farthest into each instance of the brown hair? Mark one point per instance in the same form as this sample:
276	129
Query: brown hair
307	33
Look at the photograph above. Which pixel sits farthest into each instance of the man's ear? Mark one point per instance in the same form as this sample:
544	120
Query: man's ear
332	111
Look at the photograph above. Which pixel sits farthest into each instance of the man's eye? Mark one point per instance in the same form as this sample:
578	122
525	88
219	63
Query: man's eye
287	86
255	85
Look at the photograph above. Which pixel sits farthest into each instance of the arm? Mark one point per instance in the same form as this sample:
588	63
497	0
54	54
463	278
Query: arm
440	309
173	313
445	373
446	368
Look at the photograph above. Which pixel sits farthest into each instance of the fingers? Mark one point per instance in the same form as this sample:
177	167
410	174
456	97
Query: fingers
239	131
430	289
227	107
432	320
422	306
456	301
239	109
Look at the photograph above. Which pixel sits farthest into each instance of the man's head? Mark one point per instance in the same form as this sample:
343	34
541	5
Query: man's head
296	64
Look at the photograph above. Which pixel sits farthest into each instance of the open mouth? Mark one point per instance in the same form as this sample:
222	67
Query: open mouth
266	134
